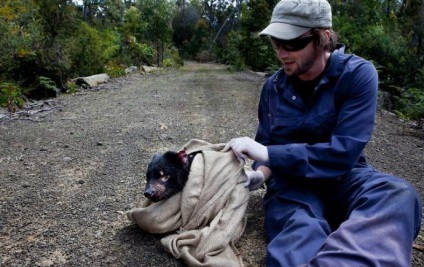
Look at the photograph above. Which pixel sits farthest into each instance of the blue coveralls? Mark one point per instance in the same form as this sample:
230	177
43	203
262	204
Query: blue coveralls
325	205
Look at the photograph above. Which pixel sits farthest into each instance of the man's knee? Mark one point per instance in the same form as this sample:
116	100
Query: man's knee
396	197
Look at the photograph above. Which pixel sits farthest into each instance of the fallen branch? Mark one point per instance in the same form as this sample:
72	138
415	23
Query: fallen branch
31	109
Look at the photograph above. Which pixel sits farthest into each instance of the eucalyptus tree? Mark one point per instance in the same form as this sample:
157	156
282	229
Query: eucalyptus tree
157	14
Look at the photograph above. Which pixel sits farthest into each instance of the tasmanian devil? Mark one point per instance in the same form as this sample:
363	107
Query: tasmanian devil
167	174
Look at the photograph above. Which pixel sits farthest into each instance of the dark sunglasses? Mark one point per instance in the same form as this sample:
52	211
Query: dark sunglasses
292	45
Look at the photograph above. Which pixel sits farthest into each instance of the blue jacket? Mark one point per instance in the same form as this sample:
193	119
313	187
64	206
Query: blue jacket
325	137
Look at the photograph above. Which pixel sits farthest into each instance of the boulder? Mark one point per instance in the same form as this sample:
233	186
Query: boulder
92	81
131	69
148	69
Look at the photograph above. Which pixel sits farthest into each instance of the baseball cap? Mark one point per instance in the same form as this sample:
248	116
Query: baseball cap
292	18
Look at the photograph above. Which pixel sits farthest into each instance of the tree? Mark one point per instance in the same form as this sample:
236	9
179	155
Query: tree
258	55
157	14
133	25
183	27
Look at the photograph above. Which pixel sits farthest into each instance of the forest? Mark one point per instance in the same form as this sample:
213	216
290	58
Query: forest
44	44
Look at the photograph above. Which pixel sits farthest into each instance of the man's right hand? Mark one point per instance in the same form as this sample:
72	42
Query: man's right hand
255	179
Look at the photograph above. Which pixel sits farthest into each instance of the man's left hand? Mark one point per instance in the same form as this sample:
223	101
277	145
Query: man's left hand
245	147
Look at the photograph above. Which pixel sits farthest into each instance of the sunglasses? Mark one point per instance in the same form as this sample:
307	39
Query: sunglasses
292	45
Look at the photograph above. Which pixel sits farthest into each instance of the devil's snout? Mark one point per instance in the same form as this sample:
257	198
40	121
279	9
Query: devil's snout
150	192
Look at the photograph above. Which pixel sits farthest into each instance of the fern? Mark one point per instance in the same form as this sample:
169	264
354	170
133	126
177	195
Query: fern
47	84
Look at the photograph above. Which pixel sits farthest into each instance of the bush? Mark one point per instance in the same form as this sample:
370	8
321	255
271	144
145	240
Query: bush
410	104
172	58
71	87
44	88
87	51
115	70
134	53
10	93
231	54
167	63
203	56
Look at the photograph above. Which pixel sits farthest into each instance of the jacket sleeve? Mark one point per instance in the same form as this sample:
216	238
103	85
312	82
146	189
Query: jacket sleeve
263	130
353	130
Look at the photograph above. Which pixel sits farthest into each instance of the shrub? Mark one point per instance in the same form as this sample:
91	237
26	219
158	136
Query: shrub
410	104
203	56
167	63
10	93
173	58
87	51
231	54
71	87
44	88
135	53
115	70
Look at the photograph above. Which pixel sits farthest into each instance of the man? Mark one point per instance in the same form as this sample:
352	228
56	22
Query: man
324	205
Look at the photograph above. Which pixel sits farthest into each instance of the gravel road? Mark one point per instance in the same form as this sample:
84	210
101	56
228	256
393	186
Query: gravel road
71	166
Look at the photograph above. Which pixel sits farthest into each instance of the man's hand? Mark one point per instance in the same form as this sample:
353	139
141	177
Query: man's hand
255	179
245	147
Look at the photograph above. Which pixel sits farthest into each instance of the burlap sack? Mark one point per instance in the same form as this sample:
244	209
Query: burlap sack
209	215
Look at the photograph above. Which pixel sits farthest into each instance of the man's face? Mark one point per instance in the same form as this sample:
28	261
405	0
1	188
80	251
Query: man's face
300	62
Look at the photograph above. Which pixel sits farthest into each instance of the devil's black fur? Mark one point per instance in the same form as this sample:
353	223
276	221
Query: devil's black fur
167	174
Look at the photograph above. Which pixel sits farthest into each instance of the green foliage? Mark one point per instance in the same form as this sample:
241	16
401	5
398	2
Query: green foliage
256	15
167	63
46	83
157	14
60	39
232	54
71	87
388	34
19	60
115	70
135	53
111	44
172	58
10	93
410	104
255	52
200	39
113	12
87	51
183	25
44	88
133	24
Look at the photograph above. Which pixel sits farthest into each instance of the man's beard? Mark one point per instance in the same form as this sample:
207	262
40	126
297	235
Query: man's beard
304	67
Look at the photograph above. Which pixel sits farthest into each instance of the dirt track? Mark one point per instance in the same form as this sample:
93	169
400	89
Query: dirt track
68	174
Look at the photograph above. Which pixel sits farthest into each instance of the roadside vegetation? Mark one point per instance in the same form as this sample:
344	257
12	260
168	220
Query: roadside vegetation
46	43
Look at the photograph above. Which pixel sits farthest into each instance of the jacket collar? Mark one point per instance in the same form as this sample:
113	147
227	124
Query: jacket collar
336	64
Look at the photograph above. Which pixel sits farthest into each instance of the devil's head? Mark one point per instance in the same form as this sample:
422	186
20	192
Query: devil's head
166	175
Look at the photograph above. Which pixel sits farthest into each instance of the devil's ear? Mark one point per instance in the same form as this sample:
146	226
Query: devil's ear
174	157
182	155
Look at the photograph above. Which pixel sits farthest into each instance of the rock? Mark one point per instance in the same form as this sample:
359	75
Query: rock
92	81
131	69
147	69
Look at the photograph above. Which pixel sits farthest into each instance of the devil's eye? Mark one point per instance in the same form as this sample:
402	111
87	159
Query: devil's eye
164	178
